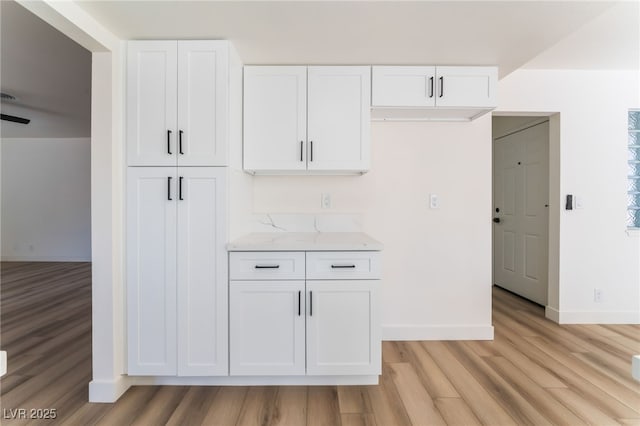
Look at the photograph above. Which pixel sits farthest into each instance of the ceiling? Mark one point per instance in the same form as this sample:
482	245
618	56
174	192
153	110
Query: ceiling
51	74
504	33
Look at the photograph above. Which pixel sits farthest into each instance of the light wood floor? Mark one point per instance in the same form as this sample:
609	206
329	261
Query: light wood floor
534	372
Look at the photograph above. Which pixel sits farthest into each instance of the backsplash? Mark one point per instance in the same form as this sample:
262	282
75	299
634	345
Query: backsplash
285	222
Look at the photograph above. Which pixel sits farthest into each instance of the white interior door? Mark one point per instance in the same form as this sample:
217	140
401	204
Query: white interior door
521	220
202	271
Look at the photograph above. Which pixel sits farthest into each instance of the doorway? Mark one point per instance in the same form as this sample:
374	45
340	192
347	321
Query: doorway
521	206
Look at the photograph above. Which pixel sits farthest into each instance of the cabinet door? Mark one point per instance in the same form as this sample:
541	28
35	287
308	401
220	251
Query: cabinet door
275	118
343	335
403	86
202	272
151	103
151	270
202	103
339	118
466	86
267	335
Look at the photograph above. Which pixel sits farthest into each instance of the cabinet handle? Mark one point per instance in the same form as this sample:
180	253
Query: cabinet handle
441	87
301	147
299	297
180	189
180	142
310	303
267	266
169	189
343	266
169	142
431	79
311	143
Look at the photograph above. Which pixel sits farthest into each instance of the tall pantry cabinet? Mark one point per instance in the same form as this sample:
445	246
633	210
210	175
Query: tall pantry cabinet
177	131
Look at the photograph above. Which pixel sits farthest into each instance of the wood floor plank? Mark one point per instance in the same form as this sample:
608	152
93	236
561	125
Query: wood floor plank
544	402
567	374
385	400
589	413
456	412
354	400
323	408
414	396
484	406
226	406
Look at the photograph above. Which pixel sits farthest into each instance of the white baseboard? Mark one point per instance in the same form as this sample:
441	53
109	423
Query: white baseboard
45	259
437	332
109	391
592	317
635	367
254	380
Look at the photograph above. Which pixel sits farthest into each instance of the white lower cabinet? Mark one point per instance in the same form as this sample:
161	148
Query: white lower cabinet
267	335
176	271
342	336
282	325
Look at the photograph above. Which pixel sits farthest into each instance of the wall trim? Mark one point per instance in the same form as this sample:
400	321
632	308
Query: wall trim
552	313
109	391
592	317
44	259
437	332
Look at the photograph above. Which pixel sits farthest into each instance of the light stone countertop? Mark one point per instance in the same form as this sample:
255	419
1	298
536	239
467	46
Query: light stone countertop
305	241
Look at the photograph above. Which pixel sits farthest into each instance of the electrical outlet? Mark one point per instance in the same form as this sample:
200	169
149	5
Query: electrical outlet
597	295
325	201
434	201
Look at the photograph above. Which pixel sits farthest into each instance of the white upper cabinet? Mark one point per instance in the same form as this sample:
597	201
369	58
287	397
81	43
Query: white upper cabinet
339	118
466	87
152	87
301	119
275	118
177	103
432	92
403	86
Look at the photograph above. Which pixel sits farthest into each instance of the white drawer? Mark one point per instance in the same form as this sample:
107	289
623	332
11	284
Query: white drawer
262	265
343	265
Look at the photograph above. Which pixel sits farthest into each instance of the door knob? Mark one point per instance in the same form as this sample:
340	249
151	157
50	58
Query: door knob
496	219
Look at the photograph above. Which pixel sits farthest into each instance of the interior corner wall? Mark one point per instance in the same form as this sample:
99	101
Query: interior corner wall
46	193
596	251
436	263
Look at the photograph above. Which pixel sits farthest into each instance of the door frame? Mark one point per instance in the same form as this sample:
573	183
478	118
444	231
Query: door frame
555	203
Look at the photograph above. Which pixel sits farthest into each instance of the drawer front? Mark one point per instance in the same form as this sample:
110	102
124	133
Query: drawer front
259	265
343	265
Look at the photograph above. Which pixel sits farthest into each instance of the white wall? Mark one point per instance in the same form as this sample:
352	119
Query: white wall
595	248
436	263
46	199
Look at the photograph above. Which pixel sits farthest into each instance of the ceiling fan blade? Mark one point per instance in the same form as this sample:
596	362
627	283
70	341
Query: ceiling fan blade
14	119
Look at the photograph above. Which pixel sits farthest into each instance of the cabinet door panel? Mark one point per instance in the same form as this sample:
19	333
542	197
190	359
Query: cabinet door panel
343	335
202	102
403	86
466	86
267	335
151	103
275	118
151	270
339	118
202	272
